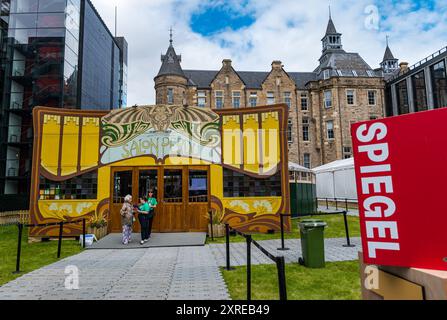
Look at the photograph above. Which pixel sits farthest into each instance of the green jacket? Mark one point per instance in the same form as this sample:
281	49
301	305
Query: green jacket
152	202
144	207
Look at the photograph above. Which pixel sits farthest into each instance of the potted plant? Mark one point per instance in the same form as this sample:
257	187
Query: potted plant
98	227
216	224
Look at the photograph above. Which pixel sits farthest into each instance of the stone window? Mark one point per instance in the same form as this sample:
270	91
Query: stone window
306	136
288	99
170	96
347	152
270	97
253	99
236	99
201	99
306	160
304	102
328	99
330	130
219	99
290	131
372	98
350	97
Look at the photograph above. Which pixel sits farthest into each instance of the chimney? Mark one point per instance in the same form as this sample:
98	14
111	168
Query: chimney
277	65
403	67
226	63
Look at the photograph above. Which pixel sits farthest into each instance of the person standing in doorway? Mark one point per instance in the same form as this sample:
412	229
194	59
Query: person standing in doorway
143	217
152	202
127	219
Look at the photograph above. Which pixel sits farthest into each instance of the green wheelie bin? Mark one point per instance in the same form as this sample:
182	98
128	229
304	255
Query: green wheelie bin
312	243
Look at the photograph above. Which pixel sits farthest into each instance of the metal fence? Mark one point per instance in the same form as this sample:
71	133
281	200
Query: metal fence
279	261
338	202
13	217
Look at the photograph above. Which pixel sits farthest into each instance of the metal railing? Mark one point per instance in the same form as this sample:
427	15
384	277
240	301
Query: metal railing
338	201
13	217
59	245
419	63
279	261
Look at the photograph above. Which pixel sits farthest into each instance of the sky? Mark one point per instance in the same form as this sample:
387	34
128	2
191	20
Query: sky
253	33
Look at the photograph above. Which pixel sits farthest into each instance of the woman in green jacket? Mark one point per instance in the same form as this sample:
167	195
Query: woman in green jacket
143	217
152	202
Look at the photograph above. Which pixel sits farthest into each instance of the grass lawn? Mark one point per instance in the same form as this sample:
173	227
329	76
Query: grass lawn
335	229
34	256
338	281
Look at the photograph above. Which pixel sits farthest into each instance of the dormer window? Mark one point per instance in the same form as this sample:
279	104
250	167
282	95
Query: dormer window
326	74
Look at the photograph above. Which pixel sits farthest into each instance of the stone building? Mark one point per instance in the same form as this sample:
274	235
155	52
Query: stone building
342	90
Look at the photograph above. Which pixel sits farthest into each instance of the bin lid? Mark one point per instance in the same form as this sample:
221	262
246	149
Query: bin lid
313	224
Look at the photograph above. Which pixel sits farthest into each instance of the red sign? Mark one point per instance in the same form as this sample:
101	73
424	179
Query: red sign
401	172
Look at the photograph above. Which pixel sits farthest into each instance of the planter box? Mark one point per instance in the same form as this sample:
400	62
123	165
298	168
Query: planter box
98	232
218	230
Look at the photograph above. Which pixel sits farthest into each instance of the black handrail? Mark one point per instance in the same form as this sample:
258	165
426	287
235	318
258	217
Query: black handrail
279	261
337	200
345	219
59	245
283	246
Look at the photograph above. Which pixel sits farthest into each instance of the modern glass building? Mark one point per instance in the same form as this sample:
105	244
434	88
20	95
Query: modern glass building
420	87
55	53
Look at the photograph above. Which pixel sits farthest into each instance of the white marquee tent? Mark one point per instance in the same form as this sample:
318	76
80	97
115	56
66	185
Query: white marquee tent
336	180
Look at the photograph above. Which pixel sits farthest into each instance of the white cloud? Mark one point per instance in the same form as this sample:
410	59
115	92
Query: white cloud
286	30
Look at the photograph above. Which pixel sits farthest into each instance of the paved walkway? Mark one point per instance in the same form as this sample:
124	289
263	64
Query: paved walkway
145	274
186	273
158	240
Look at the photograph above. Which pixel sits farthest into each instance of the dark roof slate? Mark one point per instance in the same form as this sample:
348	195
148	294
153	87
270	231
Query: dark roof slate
171	64
388	54
330	30
252	79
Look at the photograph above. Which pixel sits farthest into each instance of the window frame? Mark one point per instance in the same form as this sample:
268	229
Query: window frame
271	95
330	130
199	97
219	94
326	106
306	129
235	98
349	96
170	98
369	98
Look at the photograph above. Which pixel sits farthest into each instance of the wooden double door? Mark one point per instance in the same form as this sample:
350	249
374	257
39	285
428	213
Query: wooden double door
182	193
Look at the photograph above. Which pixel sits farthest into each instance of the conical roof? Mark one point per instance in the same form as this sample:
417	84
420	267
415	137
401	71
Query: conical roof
331	28
171	63
388	54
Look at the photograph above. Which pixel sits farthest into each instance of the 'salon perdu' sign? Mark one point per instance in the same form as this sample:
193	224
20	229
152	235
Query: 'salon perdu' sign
401	172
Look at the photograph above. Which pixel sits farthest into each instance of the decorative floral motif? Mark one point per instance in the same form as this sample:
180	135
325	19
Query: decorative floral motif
240	204
263	207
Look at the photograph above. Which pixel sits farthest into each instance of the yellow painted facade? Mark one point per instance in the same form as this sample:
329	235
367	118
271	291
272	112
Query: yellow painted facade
71	143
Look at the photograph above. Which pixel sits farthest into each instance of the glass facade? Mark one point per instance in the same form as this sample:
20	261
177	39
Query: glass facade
439	82
403	105
101	68
422	88
55	53
419	91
